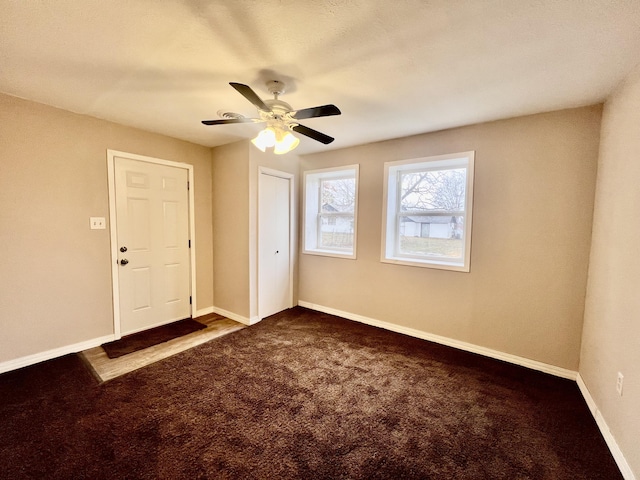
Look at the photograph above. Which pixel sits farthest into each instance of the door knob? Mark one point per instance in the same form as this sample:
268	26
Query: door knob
124	261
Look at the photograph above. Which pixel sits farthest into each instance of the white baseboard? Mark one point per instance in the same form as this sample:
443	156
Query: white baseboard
469	347
235	316
56	352
624	467
202	312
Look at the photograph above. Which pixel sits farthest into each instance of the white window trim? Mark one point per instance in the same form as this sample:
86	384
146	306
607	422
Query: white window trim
389	217
328	173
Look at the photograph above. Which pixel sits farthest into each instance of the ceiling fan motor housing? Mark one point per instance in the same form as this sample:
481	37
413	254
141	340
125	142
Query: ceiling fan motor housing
278	106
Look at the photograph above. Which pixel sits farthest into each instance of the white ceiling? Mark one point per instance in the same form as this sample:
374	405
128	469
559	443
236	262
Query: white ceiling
394	68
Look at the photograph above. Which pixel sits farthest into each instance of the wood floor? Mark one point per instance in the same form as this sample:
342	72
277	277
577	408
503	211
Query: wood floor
107	368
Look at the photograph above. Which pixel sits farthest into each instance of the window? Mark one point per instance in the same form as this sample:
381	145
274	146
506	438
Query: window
427	215
330	207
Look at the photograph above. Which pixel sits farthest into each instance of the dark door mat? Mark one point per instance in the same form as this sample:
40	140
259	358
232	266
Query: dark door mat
151	337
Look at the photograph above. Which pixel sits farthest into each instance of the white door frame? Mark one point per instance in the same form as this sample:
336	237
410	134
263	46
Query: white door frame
113	228
290	177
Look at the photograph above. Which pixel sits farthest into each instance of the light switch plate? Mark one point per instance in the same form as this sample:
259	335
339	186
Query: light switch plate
97	223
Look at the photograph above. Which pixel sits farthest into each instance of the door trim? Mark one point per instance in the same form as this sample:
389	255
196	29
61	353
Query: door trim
113	228
290	177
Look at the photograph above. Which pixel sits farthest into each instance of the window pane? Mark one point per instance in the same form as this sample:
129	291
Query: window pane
330	211
433	236
336	232
338	195
433	190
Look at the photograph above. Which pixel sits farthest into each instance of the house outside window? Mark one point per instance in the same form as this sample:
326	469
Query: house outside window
427	214
330	211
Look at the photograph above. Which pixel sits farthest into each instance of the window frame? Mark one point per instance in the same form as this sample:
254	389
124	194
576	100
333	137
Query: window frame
392	214
312	207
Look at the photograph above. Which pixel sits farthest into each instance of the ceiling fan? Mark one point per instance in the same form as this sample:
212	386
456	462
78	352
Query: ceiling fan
280	118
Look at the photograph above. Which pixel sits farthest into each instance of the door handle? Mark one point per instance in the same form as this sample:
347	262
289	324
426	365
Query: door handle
124	261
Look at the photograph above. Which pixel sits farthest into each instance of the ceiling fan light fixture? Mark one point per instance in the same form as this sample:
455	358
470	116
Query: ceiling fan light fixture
285	144
281	140
265	139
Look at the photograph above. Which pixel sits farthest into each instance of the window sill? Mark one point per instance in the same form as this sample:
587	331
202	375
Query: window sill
330	253
439	265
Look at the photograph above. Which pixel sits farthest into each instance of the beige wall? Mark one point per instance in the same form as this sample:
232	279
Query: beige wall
55	273
235	224
230	168
611	339
534	189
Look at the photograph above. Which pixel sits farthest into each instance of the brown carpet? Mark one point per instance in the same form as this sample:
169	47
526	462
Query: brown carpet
151	337
300	395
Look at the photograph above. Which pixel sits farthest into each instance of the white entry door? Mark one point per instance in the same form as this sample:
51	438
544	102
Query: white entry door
152	222
274	248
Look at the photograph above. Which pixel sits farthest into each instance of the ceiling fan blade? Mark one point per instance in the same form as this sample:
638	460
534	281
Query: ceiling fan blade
246	92
226	121
311	133
322	111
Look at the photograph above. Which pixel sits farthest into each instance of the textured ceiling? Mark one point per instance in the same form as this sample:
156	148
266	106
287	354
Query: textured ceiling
393	68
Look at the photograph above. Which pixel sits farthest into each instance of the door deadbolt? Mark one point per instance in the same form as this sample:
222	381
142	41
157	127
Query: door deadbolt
124	261
123	249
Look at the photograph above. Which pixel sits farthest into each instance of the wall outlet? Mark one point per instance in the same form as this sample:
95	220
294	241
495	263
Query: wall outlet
97	223
619	383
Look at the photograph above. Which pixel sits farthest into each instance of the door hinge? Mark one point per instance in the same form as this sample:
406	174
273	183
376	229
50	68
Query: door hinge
189	243
189	299
187	185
